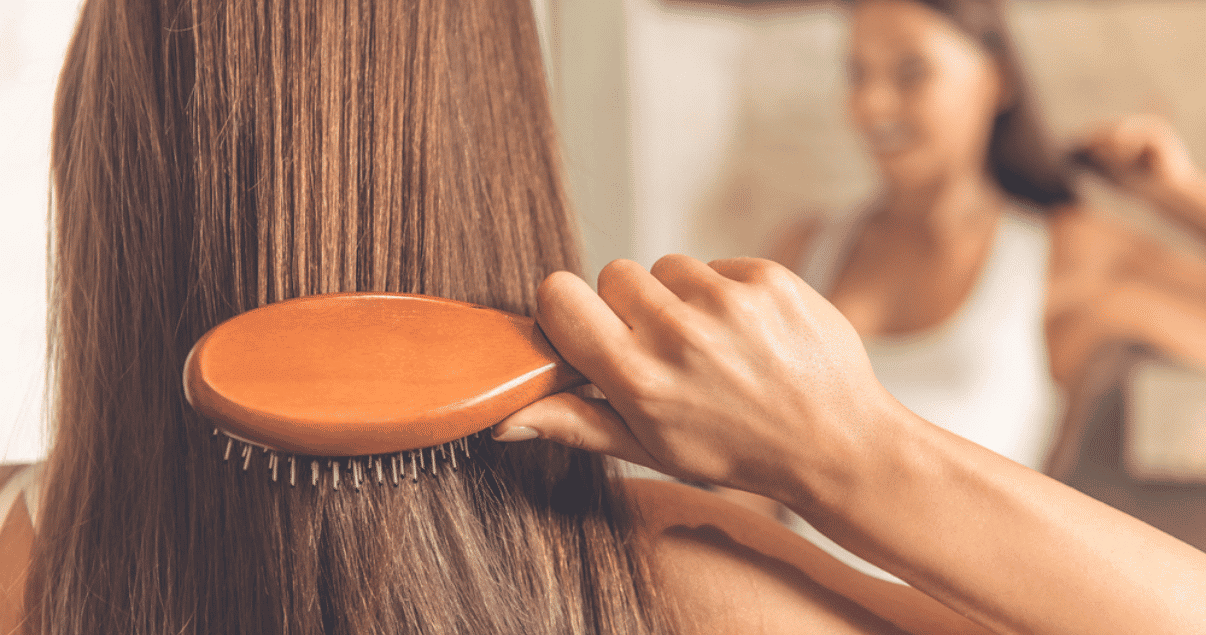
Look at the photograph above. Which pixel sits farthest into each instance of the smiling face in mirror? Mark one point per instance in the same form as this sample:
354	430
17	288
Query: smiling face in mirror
922	92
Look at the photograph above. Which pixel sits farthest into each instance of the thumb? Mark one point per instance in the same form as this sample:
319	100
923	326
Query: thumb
586	424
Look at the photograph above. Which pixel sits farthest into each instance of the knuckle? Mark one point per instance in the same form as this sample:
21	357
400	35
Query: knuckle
669	261
615	271
778	277
552	286
571	438
769	282
743	306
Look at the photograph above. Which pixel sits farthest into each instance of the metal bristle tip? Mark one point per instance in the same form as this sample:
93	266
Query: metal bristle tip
358	470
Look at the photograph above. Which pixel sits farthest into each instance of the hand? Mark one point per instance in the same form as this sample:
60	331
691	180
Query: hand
1143	155
729	373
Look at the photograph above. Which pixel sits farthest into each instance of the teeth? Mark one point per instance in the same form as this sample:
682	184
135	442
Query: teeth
361	469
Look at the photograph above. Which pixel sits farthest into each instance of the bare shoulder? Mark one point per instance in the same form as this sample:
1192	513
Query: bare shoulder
16	543
734	571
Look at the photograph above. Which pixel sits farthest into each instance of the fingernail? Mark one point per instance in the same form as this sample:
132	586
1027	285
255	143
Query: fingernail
516	433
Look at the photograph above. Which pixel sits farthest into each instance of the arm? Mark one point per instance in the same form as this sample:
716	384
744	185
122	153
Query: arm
1111	284
741	375
1143	155
1186	203
1168	321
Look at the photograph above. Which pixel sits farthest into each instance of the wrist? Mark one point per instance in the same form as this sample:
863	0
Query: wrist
862	446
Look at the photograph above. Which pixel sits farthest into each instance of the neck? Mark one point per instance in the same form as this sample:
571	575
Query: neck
939	213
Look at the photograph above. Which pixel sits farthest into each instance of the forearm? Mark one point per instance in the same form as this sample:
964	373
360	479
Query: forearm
755	382
1168	321
1006	546
1186	204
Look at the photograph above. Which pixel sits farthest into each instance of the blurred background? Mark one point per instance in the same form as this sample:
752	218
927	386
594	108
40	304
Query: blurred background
692	127
702	127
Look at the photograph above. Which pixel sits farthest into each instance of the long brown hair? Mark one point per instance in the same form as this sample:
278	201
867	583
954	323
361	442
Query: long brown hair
211	156
1021	155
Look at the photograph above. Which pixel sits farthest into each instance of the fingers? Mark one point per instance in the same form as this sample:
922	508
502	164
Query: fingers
1131	144
632	292
747	270
688	278
1113	153
587	424
581	326
766	275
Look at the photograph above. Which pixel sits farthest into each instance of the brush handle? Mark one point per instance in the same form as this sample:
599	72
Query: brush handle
351	374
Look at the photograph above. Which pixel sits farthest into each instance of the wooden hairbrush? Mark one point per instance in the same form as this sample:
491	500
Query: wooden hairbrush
351	374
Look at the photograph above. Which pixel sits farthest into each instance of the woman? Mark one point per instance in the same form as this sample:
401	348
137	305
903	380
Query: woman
211	156
976	268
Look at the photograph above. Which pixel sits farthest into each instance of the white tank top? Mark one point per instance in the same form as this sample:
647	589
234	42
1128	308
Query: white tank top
983	373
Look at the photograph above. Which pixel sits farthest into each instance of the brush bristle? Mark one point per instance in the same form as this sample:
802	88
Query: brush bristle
358	470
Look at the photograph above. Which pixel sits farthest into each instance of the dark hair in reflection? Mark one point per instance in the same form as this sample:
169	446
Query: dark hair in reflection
212	156
1021	154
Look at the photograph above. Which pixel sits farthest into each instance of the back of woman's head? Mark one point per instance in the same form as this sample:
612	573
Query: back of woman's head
211	156
1021	155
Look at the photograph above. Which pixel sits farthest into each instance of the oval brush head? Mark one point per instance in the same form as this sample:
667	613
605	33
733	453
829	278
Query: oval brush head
350	374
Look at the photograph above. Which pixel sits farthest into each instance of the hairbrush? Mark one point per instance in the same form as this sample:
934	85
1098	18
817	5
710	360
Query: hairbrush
376	374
